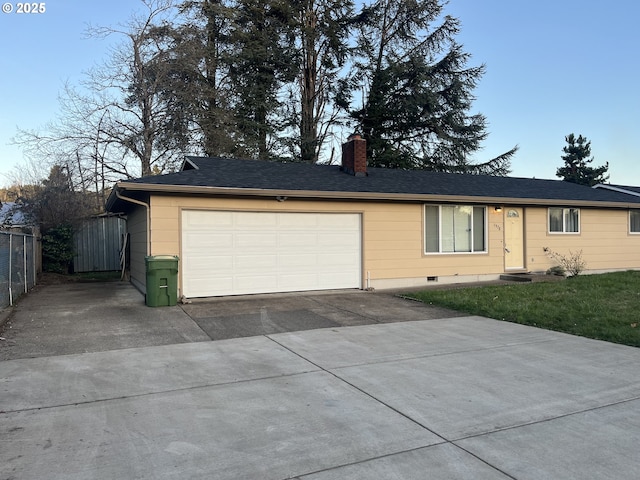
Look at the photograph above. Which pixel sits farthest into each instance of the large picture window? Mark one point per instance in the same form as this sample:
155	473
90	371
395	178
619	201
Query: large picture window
634	221
455	229
564	220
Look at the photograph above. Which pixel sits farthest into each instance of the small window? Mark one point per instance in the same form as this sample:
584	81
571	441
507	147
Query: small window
455	229
634	221
564	220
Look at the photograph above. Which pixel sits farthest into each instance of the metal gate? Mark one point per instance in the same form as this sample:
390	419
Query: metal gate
97	244
18	265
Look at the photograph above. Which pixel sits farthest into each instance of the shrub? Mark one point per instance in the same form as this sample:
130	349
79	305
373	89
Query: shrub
57	249
572	263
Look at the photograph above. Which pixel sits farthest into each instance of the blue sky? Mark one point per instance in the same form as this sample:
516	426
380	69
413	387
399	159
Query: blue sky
554	67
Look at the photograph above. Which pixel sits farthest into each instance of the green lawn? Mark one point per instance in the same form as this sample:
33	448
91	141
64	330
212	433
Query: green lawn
605	307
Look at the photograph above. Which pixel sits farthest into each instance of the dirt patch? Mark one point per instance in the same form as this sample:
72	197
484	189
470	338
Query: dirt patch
49	278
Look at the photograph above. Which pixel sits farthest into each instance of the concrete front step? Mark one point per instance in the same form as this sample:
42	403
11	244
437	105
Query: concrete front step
530	277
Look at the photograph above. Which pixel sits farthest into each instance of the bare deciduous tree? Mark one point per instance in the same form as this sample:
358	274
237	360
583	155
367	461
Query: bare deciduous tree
118	124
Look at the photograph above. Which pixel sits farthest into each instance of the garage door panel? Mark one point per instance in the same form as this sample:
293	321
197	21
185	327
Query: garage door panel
206	242
337	280
299	221
213	242
205	266
336	260
199	288
298	261
341	221
195	240
293	283
227	253
298	240
203	220
256	263
255	283
337	240
257	241
254	221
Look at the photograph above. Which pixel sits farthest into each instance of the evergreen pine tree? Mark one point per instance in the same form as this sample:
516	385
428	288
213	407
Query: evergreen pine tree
263	60
418	90
576	163
201	73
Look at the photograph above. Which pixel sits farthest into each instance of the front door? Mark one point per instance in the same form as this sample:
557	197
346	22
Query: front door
513	239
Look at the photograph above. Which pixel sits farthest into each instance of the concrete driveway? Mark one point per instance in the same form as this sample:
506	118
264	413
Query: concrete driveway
445	398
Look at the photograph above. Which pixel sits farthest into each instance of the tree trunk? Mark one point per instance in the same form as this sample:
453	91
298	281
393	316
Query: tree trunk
308	119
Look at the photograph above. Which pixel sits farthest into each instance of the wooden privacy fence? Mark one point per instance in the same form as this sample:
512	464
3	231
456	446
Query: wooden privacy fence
18	265
97	244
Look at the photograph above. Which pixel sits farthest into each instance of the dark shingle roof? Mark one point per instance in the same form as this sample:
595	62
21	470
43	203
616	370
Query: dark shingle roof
253	174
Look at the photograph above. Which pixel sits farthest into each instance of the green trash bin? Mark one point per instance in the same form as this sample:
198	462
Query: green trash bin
162	280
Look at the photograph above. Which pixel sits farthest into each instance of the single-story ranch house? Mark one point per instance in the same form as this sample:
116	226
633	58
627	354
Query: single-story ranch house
243	226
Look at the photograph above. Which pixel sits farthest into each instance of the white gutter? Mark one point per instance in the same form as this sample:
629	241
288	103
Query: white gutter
146	206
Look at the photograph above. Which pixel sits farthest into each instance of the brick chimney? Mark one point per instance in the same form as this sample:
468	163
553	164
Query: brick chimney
354	156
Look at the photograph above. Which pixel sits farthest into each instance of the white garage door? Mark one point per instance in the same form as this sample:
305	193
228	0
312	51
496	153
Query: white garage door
234	253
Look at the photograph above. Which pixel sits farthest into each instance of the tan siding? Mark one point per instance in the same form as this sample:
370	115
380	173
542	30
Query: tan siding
165	219
603	239
404	249
393	236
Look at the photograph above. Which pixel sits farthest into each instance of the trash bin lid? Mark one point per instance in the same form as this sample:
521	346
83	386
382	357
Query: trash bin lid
161	257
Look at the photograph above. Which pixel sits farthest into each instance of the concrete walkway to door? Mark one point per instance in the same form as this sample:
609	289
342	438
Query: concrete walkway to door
451	398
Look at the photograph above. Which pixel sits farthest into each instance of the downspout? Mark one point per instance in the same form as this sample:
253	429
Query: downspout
146	206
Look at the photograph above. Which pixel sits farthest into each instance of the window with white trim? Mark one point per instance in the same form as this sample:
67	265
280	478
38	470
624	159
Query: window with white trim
455	229
634	221
564	220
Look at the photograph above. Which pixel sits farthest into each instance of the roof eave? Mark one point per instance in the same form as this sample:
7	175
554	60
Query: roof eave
111	199
376	196
617	189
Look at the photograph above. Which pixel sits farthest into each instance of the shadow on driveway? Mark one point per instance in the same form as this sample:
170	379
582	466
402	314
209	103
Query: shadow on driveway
93	317
246	316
